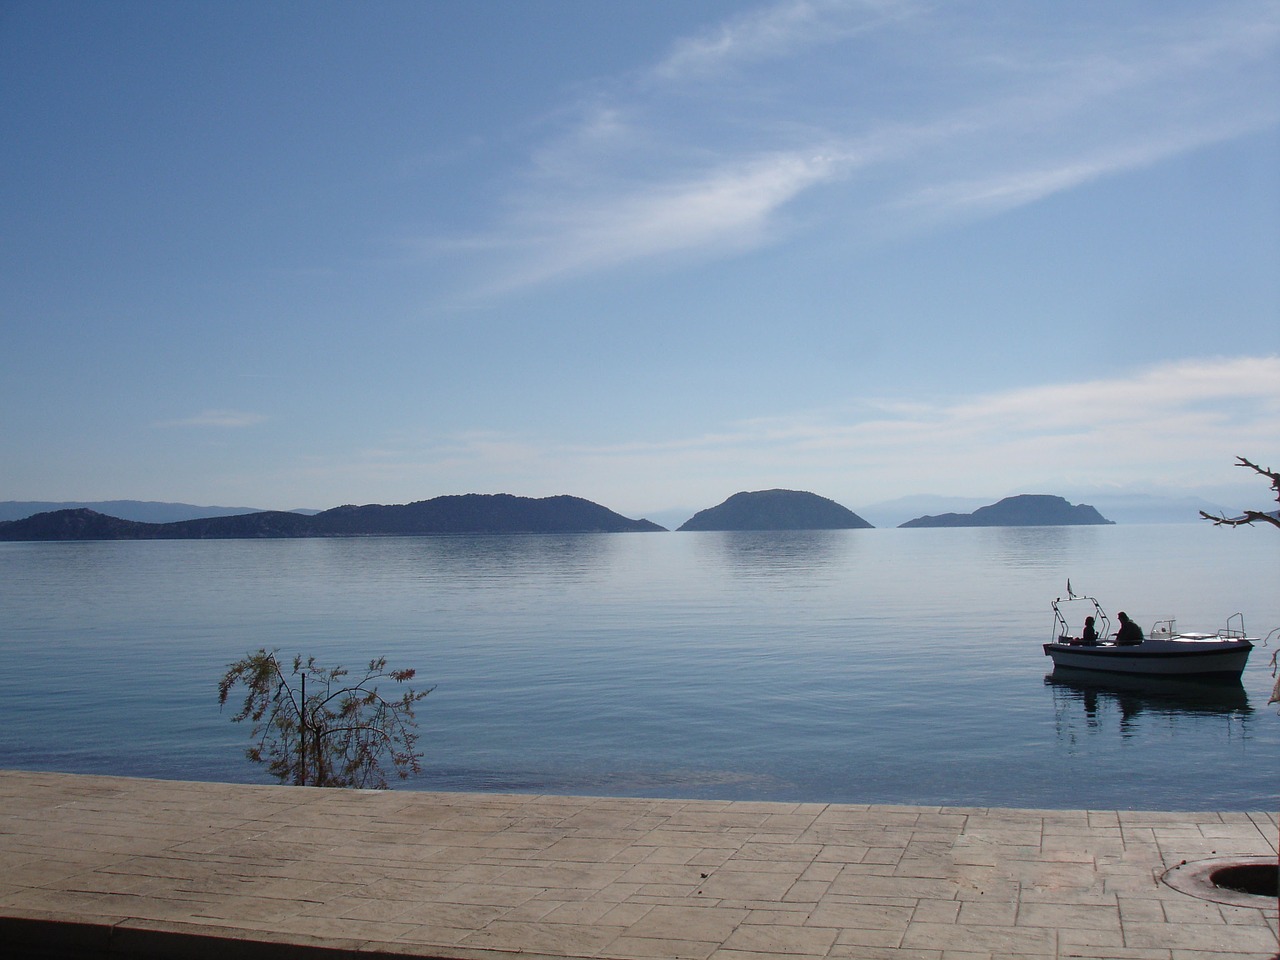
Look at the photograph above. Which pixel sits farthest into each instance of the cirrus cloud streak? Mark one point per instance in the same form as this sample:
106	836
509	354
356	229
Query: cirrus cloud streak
223	419
880	109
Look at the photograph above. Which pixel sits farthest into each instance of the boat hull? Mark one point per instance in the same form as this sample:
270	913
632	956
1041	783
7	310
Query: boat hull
1168	658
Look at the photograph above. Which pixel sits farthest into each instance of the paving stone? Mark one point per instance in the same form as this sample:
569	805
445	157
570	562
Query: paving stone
1003	941
1204	938
850	914
936	911
182	868
559	939
807	891
779	917
657	948
784	940
745	885
989	913
1073	939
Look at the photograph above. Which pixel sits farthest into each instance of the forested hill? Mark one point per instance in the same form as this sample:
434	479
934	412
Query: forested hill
776	510
467	513
1027	510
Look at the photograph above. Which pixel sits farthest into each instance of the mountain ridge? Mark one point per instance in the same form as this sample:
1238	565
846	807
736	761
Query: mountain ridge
466	513
1023	510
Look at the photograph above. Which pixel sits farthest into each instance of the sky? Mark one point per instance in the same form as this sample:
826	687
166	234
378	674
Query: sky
646	252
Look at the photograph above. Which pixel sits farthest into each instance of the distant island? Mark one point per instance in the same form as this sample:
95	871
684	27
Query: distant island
145	511
776	510
1026	510
467	513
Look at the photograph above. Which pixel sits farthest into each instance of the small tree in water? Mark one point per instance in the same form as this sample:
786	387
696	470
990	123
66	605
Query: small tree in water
322	727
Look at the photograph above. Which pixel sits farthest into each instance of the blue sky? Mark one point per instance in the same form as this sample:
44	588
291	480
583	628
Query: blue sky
648	253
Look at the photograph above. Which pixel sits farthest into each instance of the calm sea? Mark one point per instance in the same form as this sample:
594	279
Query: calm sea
876	666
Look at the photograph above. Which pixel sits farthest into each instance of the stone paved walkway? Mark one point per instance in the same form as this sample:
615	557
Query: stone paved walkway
127	866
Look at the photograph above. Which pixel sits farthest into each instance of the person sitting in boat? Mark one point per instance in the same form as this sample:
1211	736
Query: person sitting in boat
1129	634
1088	636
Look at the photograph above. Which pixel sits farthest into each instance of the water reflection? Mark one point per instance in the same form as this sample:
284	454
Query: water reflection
775	552
1036	546
1101	698
482	559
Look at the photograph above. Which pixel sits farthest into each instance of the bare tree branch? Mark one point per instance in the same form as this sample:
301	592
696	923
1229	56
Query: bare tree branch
1250	516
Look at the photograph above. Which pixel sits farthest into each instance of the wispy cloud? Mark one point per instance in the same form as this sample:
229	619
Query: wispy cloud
775	31
1170	426
1174	423
942	111
227	419
718	210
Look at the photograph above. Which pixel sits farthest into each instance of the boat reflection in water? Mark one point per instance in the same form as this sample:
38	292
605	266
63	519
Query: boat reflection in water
1100	695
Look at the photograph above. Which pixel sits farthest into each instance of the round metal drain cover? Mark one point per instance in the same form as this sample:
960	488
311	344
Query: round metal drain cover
1238	881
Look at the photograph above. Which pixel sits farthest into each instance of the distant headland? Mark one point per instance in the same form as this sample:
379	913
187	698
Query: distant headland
1026	510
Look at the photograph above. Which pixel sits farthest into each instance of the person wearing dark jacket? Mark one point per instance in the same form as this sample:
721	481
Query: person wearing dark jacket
1129	633
1089	637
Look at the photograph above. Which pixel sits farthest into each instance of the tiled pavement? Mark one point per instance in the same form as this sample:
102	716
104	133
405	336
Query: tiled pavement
113	866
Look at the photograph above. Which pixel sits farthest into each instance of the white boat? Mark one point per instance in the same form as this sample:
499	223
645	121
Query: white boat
1164	652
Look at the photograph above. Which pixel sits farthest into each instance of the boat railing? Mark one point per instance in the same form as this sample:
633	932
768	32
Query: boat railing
1062	629
1234	630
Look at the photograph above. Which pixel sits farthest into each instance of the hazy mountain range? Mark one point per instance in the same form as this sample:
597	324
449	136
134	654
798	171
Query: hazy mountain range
142	511
469	513
1123	508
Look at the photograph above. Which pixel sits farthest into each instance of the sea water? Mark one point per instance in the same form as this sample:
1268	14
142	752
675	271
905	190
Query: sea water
861	666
